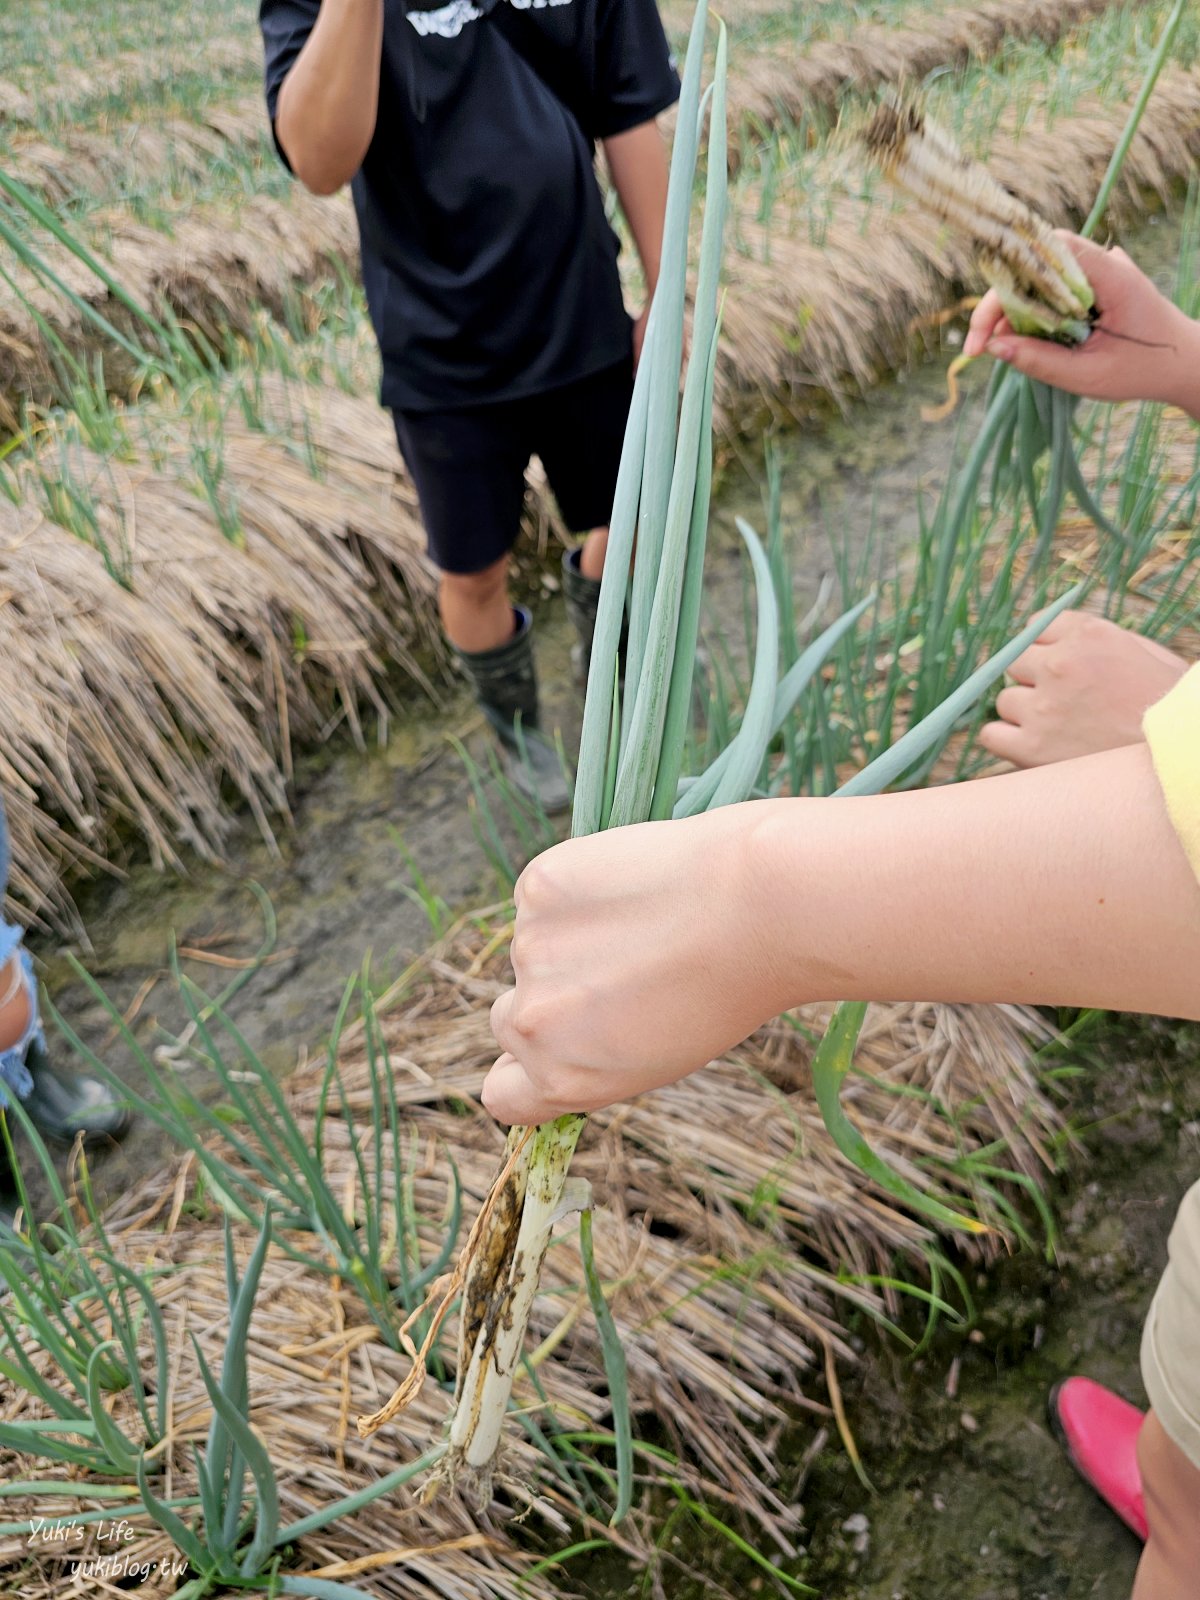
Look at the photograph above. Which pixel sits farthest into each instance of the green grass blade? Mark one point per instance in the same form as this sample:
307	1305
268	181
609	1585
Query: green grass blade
434	1268
185	1123
320	1589
173	1526
1158	61
55	1489
222	1455
71	1361
740	1544
663	565
40	1442
122	1452
219	1545
699	792
832	1062
599	719
749	748
811	659
252	1450
1055	490
548	1563
23	1374
683	668
351	1503
615	1370
679	689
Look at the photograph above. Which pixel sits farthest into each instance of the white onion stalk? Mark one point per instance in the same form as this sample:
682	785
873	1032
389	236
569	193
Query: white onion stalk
498	1297
662	496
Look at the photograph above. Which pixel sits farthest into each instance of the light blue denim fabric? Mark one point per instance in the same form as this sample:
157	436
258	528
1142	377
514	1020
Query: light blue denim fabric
14	1074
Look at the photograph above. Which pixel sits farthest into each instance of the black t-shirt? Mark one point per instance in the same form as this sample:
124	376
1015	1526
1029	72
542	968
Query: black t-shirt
489	265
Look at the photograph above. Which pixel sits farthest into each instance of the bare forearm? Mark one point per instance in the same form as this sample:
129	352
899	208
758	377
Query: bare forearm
1062	885
330	99
637	163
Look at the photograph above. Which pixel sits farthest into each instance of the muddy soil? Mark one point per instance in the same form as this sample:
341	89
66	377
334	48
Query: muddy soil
971	1497
975	1499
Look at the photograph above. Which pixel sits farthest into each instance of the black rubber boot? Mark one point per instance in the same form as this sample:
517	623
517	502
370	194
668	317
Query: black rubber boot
582	596
505	685
64	1104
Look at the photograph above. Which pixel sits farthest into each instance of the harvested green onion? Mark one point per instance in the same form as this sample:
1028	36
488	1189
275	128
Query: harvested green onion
662	496
1040	284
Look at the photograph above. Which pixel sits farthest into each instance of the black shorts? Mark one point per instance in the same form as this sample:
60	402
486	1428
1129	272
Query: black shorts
468	466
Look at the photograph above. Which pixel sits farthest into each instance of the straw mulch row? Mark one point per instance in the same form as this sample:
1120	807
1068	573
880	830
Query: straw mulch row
807	317
730	1235
767	86
84	161
215	272
776	87
141	699
61	88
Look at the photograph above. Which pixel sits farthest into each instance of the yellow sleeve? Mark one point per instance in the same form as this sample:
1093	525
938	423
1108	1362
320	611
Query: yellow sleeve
1172	728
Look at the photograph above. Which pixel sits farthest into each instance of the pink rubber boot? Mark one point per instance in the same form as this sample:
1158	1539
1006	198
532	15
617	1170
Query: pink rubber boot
1099	1431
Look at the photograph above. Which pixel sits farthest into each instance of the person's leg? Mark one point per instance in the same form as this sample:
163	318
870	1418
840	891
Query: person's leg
579	436
1170	1564
61	1105
475	607
591	556
17	1005
468	468
16	1012
1169	1443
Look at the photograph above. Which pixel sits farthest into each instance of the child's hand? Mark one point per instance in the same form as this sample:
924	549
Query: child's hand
1083	687
1141	348
640	955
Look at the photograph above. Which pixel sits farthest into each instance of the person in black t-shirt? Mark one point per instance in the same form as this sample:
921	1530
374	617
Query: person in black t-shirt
468	133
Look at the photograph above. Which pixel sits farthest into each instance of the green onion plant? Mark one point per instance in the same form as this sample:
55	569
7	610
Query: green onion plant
630	770
238	1541
253	1152
65	1289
